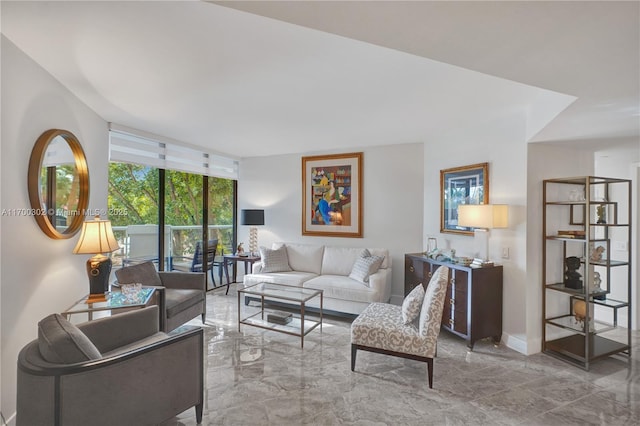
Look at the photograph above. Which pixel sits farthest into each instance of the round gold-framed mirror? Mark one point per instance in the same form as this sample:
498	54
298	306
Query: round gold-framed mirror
58	183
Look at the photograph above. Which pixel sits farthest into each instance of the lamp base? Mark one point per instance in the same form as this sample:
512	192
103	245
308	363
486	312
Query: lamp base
253	240
99	270
481	243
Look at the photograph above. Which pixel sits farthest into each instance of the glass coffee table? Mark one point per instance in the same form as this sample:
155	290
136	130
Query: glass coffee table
297	325
112	300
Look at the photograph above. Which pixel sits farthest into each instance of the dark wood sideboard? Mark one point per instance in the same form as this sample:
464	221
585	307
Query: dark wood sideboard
473	305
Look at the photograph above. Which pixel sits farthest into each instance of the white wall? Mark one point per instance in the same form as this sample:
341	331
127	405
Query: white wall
38	275
393	203
503	146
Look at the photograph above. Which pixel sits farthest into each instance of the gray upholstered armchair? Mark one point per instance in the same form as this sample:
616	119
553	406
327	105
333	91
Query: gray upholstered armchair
182	294
117	370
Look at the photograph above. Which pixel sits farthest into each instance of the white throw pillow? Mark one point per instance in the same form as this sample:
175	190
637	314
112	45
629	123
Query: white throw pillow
412	304
274	260
365	265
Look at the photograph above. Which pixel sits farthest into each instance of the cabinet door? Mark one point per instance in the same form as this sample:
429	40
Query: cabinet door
413	273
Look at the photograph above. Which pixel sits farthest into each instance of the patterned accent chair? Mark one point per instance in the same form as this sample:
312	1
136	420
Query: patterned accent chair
380	327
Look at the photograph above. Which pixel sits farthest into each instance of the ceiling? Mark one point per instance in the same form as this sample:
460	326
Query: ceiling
264	78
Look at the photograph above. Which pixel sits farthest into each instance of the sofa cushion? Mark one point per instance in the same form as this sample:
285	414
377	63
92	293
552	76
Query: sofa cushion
339	260
144	273
178	300
364	266
341	287
412	304
304	257
274	260
61	342
289	278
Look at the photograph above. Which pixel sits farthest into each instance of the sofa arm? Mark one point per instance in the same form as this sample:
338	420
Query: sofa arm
380	282
256	268
123	329
183	280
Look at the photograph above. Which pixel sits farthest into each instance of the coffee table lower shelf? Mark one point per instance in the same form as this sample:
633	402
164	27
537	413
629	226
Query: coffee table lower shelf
295	328
300	324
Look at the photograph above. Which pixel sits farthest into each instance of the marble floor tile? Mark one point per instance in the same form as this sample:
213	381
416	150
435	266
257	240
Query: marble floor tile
258	377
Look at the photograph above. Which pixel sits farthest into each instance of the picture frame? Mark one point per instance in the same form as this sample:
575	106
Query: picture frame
461	185
332	195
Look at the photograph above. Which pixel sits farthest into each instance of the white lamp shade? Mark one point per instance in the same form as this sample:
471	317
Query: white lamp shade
487	216
96	237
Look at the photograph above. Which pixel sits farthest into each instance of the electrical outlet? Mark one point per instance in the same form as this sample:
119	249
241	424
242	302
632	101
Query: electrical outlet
619	245
505	252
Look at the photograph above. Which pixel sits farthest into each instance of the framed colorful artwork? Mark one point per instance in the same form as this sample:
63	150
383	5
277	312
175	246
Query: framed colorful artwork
332	195
461	185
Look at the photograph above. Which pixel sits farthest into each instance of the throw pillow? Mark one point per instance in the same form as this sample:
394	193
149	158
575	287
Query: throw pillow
364	266
275	260
412	304
144	273
61	342
433	303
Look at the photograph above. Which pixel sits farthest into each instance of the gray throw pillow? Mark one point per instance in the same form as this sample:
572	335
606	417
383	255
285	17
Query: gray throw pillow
61	342
274	260
143	273
364	266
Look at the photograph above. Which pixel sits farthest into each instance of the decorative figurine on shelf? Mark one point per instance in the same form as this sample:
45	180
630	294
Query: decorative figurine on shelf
240	251
596	254
595	287
601	213
572	276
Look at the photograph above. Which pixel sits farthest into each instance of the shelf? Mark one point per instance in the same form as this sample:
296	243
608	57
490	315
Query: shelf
572	291
571	209
294	327
605	263
574	347
568	322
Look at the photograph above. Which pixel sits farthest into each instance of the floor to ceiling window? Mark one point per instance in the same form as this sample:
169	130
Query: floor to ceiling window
196	211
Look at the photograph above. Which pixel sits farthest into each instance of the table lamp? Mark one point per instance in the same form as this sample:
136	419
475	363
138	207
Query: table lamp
252	218
97	238
483	217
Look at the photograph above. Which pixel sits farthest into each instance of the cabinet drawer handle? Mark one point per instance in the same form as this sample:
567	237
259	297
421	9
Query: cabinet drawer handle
411	269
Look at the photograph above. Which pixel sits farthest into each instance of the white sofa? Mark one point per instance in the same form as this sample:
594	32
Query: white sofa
328	268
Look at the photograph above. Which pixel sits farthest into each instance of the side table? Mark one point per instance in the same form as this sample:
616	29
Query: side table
113	300
234	259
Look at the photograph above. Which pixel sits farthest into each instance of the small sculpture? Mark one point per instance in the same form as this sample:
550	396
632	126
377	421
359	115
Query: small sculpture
572	276
596	254
601	212
240	250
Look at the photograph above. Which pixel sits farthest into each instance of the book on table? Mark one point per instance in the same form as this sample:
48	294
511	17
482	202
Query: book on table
279	317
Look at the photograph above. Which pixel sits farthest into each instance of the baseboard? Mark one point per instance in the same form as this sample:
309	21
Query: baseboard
525	347
396	300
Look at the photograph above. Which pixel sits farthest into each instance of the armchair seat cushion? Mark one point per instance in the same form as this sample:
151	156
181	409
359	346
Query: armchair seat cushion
380	326
182	299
